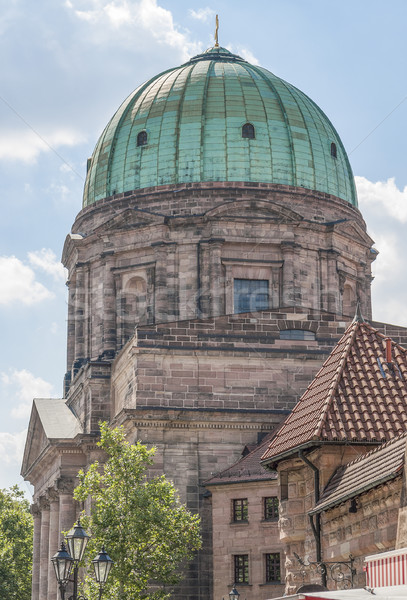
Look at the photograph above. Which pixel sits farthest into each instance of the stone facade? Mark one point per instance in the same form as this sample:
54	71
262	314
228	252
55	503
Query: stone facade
168	255
369	528
255	538
155	344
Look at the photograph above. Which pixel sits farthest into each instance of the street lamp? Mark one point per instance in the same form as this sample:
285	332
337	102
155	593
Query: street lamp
77	540
64	561
234	594
102	563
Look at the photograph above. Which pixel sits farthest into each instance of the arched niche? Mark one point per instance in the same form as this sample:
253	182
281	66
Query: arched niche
133	306
349	300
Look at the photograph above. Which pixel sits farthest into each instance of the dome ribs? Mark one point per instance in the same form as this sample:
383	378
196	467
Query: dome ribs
194	134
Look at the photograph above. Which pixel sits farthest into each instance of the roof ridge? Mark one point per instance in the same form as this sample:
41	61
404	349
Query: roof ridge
339	371
379	448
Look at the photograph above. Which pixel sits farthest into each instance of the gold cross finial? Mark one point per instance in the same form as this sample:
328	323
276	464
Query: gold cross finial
216	32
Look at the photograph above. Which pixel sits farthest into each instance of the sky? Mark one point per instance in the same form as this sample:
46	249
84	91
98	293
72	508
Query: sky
66	66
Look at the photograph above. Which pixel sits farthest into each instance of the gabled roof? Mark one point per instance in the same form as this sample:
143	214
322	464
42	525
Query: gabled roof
57	419
247	469
51	422
355	397
366	472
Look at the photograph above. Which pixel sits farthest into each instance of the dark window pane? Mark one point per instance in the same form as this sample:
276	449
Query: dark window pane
333	150
142	138
271	508
241	568
250	295
284	485
297	334
273	571
248	131
239	509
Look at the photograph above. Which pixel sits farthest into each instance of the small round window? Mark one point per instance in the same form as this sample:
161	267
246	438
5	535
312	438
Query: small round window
142	138
248	131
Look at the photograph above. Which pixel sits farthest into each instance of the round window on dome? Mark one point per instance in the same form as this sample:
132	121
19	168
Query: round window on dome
248	131
142	138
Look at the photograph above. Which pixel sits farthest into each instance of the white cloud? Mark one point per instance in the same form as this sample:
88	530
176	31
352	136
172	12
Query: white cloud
384	208
244	53
55	328
46	260
26	145
22	386
202	14
12	447
390	262
18	283
384	196
140	18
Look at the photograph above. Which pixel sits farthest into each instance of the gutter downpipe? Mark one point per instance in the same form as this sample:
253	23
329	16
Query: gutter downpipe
316	526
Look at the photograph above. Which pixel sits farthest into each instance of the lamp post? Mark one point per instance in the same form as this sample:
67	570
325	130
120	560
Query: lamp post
62	563
77	540
234	594
102	563
65	562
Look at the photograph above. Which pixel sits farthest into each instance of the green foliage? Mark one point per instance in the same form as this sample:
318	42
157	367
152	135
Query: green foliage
16	545
140	520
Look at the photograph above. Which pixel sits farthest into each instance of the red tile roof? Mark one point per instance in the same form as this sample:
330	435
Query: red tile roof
355	397
364	473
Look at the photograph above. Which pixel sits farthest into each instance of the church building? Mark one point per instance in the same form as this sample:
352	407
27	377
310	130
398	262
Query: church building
218	257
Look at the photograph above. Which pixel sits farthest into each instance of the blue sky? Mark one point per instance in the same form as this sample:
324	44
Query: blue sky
65	67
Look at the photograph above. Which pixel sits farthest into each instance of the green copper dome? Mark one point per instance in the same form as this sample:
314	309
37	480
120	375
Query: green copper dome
185	126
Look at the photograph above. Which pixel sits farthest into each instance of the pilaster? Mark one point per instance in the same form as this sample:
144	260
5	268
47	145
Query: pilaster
54	539
109	307
44	548
67	504
291	288
35	590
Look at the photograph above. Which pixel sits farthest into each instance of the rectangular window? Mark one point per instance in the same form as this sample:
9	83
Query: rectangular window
271	508
273	570
284	485
241	568
239	510
250	295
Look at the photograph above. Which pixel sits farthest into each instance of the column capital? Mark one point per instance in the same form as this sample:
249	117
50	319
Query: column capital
53	495
43	502
35	510
65	485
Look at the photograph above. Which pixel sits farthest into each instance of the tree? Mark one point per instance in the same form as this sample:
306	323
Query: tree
140	520
16	545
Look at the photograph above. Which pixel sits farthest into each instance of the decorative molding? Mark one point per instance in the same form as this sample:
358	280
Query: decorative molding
43	502
35	511
203	425
65	485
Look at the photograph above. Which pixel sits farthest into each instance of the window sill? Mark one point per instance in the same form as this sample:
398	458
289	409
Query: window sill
239	522
272	521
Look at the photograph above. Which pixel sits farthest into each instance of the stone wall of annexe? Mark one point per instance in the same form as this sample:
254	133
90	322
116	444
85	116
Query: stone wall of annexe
369	528
234	362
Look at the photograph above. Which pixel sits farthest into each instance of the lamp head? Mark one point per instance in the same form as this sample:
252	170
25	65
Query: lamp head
102	563
62	562
77	540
